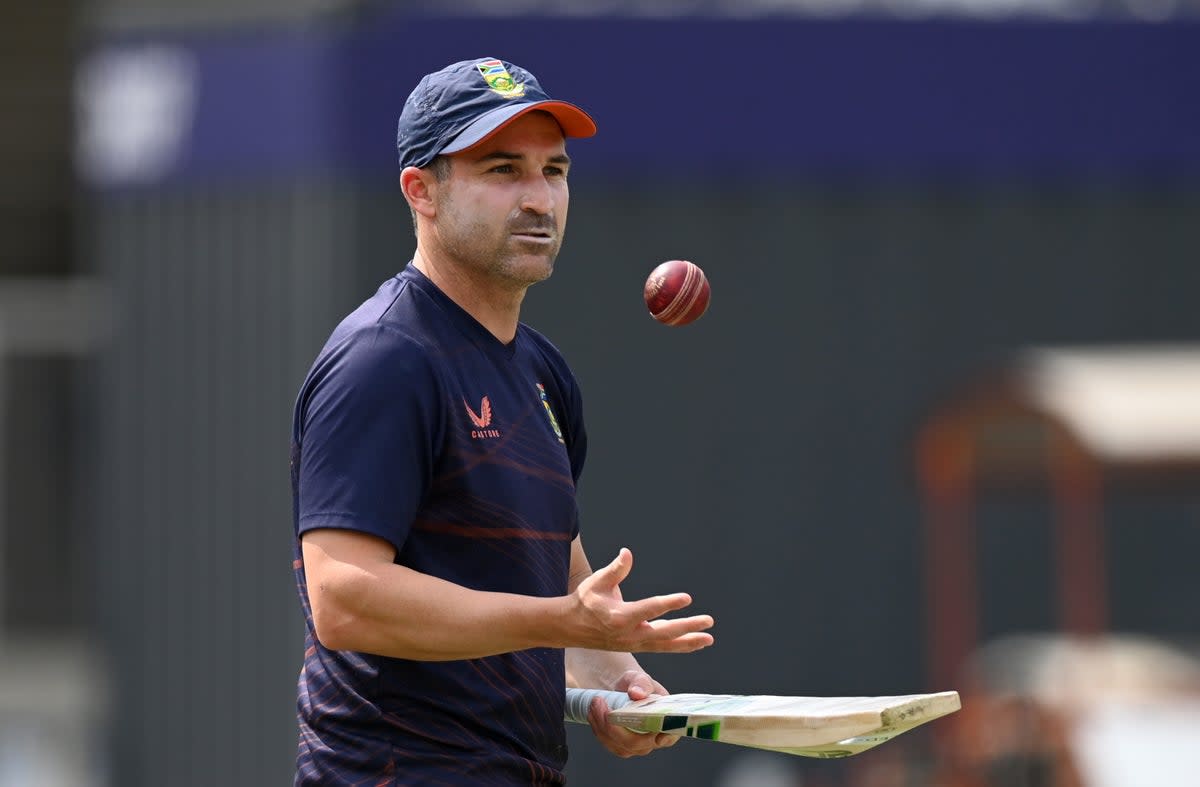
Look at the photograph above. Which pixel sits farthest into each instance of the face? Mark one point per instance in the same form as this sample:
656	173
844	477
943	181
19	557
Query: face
503	209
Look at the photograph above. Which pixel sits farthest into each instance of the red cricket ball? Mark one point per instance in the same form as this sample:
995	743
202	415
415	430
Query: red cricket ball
677	292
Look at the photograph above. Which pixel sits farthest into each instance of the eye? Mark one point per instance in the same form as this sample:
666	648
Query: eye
502	169
555	172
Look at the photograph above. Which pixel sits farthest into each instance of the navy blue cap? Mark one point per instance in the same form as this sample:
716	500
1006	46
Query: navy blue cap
466	102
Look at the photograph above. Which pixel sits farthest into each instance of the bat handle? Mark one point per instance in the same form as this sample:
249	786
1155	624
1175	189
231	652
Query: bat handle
578	701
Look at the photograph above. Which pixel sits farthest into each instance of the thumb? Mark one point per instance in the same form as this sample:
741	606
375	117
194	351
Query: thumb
615	572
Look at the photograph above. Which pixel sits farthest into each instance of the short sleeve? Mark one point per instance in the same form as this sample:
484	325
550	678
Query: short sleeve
368	431
576	437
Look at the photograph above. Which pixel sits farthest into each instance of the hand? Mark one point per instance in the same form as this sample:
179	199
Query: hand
610	623
617	739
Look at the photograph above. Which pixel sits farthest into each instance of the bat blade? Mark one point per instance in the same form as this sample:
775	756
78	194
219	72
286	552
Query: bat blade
825	727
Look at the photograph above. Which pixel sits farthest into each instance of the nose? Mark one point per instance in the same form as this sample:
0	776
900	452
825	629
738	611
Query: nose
538	196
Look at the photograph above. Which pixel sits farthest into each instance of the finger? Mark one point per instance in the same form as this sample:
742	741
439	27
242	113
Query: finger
662	740
688	643
615	572
639	685
637	689
627	743
677	627
635	744
618	740
598	717
598	713
666	634
656	606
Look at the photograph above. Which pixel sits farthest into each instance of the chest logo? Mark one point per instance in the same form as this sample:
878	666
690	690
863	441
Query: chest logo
482	420
550	413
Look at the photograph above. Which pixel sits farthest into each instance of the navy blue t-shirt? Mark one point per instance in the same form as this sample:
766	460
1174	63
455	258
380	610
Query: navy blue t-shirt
416	425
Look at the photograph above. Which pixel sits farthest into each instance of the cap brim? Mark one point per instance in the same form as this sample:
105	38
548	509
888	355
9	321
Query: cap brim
573	121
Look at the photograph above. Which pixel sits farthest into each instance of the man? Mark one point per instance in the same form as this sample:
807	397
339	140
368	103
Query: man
437	444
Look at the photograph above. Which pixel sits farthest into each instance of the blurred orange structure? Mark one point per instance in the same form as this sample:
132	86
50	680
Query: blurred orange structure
1071	422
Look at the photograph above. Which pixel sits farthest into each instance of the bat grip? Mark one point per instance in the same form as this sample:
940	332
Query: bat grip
578	701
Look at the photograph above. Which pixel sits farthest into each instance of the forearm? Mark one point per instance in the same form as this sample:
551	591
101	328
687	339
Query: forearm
361	600
391	610
598	669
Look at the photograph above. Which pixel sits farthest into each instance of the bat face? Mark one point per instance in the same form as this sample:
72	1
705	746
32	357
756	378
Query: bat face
824	727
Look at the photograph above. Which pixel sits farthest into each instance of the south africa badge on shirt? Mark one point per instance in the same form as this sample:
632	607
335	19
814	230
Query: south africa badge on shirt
550	413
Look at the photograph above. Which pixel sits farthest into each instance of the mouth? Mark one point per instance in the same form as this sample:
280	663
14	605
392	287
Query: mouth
534	236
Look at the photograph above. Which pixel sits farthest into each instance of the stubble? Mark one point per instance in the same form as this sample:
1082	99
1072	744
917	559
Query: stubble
494	252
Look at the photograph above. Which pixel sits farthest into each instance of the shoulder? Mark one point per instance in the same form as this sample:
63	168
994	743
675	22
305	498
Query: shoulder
372	363
390	327
394	306
378	347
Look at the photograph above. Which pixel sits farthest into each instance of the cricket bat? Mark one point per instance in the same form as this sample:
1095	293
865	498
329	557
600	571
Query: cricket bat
825	727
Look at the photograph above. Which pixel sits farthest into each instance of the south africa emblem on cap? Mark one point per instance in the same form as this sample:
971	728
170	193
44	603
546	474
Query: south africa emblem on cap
499	80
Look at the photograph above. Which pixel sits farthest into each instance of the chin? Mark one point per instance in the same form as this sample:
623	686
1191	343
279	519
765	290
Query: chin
531	270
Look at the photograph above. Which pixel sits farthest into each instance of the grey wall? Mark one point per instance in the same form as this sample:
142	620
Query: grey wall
759	459
221	300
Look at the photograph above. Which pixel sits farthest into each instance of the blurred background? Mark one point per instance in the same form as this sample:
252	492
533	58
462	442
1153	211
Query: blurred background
938	430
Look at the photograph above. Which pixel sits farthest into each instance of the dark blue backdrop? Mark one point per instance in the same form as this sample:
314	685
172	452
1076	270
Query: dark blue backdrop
864	99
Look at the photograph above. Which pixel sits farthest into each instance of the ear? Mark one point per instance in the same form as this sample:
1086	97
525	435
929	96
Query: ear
420	189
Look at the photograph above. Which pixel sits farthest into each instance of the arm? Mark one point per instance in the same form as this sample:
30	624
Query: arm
595	669
371	405
363	601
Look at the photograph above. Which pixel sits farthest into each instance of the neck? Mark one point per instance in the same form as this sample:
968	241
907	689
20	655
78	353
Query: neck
494	306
